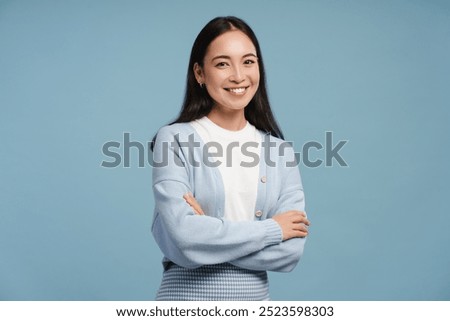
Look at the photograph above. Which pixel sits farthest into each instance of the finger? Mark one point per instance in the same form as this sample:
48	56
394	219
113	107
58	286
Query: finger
301	219
295	234
303	234
301	227
297	214
197	210
193	203
187	197
190	199
200	210
303	214
197	207
298	233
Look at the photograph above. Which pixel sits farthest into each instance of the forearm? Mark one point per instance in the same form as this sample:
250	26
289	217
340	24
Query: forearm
282	257
192	240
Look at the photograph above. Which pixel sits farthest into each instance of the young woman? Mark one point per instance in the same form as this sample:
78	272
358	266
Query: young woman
229	202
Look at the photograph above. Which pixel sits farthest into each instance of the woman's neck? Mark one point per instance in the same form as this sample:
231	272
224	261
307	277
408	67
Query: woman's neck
230	119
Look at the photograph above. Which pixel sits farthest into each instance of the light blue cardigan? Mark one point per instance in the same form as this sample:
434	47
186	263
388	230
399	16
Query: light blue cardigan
191	240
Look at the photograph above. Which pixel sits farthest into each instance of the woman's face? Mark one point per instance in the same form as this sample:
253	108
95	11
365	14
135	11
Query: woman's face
230	70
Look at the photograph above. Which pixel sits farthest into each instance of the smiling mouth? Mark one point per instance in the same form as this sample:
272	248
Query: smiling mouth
237	90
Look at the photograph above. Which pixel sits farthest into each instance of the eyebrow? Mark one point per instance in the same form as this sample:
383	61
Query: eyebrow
228	57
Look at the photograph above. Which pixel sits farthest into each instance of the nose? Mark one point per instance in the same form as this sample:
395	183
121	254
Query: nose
237	75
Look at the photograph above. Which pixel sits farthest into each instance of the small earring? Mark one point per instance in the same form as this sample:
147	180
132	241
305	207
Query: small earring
201	85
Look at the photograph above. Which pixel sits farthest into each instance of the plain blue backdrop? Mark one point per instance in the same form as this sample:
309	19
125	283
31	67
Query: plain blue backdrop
77	74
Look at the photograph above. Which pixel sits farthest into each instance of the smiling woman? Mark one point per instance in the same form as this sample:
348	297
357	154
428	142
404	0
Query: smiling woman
221	228
231	75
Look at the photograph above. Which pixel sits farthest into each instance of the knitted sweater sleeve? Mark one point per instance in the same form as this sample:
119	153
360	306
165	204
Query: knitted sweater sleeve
191	240
284	256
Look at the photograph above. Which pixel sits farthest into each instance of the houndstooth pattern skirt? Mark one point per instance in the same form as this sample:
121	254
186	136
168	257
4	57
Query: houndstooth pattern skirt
218	282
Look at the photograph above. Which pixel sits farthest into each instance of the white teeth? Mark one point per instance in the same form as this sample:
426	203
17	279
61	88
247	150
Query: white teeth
237	90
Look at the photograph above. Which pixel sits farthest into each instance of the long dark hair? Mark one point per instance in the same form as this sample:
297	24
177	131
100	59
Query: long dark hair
197	102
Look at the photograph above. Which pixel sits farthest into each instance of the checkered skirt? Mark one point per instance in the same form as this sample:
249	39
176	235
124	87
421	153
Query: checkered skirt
218	282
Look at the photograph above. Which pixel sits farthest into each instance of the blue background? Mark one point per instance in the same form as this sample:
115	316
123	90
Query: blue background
77	74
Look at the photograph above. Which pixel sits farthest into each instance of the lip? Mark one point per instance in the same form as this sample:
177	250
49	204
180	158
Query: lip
241	90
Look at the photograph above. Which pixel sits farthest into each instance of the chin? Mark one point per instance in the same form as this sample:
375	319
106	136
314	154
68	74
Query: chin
240	107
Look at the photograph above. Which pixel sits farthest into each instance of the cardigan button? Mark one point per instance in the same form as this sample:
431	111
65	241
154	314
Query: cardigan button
258	213
263	179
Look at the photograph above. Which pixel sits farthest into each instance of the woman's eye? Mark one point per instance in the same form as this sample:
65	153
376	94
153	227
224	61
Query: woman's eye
221	64
249	62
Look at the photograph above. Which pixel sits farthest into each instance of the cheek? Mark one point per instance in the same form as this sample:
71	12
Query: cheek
255	80
255	76
213	78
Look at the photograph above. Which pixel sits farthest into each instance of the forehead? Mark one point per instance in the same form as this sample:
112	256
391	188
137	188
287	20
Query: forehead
231	43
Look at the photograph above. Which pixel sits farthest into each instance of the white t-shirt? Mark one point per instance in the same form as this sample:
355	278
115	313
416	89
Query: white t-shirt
237	162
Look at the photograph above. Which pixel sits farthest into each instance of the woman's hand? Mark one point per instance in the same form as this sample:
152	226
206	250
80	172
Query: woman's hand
189	198
293	224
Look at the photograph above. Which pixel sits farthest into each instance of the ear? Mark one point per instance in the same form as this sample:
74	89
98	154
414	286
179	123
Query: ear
198	73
